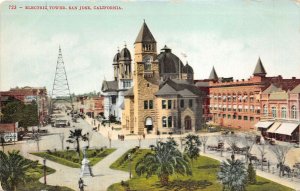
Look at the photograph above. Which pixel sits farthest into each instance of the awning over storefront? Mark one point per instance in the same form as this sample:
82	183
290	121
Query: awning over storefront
264	124
287	128
240	107
274	127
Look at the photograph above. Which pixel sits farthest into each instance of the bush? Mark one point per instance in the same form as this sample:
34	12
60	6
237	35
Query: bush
251	174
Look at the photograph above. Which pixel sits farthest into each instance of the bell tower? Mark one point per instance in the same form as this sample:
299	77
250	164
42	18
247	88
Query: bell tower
146	81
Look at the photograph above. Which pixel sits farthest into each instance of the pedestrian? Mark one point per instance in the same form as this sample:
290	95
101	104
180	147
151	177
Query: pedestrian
81	184
112	128
144	135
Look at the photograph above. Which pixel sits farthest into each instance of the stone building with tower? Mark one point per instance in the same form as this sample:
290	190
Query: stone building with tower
163	98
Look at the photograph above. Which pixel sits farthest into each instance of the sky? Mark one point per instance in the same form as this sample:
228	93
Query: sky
230	35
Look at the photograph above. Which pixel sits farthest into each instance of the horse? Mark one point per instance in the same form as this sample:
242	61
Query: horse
252	158
284	168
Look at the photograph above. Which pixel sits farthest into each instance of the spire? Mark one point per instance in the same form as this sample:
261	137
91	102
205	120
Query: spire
213	74
144	35
259	69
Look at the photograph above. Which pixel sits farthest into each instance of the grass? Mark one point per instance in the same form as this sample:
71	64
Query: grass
70	158
204	177
32	180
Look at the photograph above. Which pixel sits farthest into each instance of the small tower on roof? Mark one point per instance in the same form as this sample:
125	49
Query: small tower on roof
213	75
259	69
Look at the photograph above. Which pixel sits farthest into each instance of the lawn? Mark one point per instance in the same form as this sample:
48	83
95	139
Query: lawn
32	180
204	177
70	158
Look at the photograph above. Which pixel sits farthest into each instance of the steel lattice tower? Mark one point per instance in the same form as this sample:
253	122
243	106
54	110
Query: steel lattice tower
60	90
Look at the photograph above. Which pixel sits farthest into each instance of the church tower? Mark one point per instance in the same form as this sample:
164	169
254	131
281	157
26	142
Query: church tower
146	81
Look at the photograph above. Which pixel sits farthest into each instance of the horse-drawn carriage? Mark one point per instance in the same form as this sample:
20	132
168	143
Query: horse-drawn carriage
218	147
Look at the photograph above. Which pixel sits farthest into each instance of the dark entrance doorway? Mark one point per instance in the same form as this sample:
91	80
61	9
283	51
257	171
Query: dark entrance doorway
188	123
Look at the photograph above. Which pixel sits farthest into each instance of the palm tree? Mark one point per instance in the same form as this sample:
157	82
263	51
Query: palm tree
76	136
163	161
192	145
233	175
12	169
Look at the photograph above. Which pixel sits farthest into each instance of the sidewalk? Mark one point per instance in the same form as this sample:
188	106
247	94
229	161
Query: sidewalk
272	177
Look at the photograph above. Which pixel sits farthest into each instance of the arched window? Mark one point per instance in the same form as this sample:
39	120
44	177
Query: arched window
283	112
274	112
265	110
294	112
164	121
170	121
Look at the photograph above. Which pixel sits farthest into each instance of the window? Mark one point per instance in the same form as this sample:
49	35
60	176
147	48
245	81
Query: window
163	104
224	116
229	116
164	121
182	103
113	99
245	118
234	116
219	115
146	104
239	117
283	112
294	112
190	103
169	104
174	104
170	121
274	112
265	110
150	104
251	118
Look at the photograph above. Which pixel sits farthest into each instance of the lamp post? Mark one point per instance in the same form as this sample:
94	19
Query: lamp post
129	158
44	162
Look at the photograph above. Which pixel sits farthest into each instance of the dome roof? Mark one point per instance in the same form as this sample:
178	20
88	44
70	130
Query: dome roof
116	57
169	62
125	54
187	69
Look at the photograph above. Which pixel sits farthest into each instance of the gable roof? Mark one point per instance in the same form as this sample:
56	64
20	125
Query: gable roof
170	87
296	90
272	88
144	35
108	86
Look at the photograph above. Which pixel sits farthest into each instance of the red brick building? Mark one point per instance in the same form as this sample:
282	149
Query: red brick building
92	106
27	95
237	103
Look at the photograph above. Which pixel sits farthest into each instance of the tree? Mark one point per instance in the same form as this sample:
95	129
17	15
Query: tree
76	136
280	152
232	140
37	137
203	140
89	136
12	169
140	137
251	174
163	161
192	145
262	148
233	175
109	136
220	139
248	140
2	140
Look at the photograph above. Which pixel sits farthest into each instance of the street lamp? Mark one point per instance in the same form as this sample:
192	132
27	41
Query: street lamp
44	162
129	158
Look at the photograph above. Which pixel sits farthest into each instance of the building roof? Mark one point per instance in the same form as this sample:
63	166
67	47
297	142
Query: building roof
169	62
213	74
7	127
259	68
296	90
108	86
202	84
125	54
129	92
272	88
187	69
117	57
170	87
145	35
